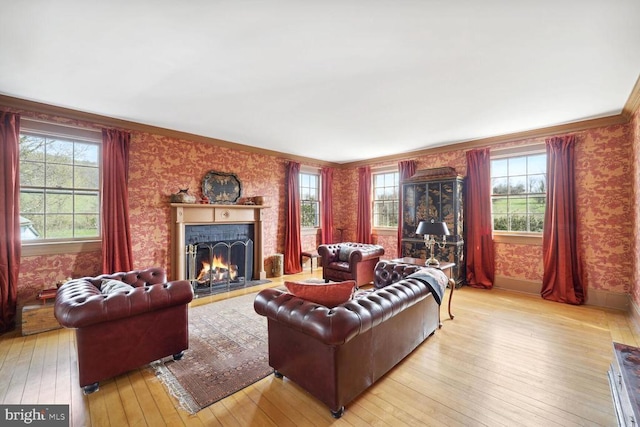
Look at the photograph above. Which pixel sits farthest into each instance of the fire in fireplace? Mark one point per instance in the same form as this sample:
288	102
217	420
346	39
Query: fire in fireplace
215	263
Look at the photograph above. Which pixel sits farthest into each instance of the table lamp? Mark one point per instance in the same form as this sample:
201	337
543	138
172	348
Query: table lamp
429	229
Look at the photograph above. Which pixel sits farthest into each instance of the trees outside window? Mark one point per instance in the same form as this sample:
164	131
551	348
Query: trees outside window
309	200
518	196
59	187
386	190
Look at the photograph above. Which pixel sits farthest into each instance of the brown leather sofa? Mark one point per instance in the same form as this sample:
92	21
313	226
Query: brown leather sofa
349	261
337	353
124	330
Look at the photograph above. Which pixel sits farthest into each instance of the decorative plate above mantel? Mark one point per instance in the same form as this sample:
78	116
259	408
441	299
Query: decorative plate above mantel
221	188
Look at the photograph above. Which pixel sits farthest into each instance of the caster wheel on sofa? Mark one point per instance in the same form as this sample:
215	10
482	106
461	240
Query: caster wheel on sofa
88	389
277	374
338	413
178	356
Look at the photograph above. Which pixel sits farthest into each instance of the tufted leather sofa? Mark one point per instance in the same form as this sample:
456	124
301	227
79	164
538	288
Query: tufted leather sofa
337	353
356	262
122	331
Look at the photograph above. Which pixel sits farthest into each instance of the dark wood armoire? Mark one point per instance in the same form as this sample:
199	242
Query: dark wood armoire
434	194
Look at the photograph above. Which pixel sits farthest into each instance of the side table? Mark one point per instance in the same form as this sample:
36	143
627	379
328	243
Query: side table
446	267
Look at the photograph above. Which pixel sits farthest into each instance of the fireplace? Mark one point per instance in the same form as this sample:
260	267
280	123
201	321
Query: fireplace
227	237
218	254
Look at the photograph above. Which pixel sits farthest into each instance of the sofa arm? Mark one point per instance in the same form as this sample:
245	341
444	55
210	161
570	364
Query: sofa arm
80	303
333	326
328	253
364	252
386	273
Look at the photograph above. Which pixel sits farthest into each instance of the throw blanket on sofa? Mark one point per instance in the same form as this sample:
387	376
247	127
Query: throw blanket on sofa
435	279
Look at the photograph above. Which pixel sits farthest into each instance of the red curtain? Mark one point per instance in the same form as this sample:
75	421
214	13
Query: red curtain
116	234
326	175
292	245
406	170
10	249
562	280
477	216
363	227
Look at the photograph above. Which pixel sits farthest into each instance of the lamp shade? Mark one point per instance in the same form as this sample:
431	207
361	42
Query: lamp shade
432	227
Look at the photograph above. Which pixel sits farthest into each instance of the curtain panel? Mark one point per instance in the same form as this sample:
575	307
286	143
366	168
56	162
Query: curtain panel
480	271
406	168
10	247
326	175
292	245
363	227
562	279
116	232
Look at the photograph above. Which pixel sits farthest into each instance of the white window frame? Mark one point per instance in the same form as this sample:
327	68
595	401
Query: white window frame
517	237
314	172
65	245
378	171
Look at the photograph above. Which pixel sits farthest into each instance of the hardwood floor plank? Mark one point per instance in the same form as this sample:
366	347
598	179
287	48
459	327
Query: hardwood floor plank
506	359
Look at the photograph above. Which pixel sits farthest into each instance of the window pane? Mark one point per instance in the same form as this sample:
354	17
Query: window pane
86	177
499	205
87	203
86	154
499	185
517	204
59	151
32	148
499	168
517	185
59	226
31	202
537	164
500	222
60	176
537	204
536	223
59	203
518	222
537	184
517	165
86	225
31	174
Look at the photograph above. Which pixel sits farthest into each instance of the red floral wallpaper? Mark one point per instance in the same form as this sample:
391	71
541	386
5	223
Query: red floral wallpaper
635	233
607	204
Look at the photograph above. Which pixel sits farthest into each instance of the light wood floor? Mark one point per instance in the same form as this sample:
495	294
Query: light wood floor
507	359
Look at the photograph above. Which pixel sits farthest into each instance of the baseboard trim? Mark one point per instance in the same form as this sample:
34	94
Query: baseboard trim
595	297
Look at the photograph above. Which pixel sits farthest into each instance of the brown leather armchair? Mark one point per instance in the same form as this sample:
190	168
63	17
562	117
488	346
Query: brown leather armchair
123	330
349	261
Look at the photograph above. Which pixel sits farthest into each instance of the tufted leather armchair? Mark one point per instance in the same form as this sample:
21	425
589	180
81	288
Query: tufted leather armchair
118	332
349	261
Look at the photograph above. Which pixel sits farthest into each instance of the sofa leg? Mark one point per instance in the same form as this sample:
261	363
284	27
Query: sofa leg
178	356
338	413
88	389
277	374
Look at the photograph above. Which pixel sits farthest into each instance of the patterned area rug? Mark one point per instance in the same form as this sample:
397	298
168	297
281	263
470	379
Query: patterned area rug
228	351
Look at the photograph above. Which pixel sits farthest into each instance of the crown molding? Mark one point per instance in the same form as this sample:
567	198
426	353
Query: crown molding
617	119
633	103
105	121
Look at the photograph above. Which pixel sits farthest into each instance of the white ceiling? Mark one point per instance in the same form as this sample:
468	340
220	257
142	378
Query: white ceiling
335	80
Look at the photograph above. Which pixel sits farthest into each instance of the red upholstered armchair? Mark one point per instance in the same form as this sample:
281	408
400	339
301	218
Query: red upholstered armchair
124	321
349	261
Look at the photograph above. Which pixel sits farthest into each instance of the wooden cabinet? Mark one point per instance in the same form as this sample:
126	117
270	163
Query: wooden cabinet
434	194
625	383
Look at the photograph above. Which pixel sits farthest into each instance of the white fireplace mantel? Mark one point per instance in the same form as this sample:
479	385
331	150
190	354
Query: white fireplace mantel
183	214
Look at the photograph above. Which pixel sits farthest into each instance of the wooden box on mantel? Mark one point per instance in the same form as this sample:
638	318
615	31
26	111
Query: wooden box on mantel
38	317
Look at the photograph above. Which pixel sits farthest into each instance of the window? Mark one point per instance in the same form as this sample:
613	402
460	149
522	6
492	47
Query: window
309	200
385	199
518	187
59	186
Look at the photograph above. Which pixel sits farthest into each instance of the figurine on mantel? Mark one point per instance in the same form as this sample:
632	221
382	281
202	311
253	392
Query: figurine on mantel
183	196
